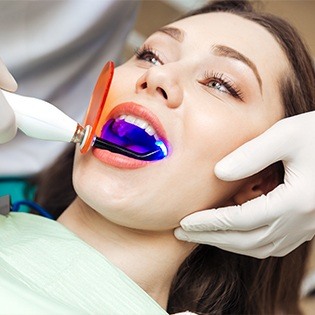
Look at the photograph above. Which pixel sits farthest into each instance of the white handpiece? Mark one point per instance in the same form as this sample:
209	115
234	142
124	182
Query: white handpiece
40	119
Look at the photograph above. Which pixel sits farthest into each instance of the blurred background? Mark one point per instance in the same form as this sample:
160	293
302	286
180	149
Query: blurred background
301	13
155	13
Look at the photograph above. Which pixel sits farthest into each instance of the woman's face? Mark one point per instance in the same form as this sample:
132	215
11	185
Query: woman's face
211	83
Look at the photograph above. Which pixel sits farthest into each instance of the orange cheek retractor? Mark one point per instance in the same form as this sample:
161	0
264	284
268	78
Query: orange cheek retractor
116	135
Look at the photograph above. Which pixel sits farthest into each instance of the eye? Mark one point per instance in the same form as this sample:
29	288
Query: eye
147	54
218	81
218	86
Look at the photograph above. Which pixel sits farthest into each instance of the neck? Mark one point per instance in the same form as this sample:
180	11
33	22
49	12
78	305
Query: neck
151	259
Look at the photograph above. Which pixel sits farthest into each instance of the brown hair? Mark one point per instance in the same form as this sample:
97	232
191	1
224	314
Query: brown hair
211	280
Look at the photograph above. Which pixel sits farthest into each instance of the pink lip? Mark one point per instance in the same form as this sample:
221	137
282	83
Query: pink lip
117	160
121	161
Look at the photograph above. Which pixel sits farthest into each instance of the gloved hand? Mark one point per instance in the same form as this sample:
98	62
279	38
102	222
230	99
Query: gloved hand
271	225
7	121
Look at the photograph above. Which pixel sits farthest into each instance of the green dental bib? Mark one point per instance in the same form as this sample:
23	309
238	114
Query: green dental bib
46	269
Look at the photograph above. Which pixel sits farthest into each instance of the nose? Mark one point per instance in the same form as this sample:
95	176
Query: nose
162	82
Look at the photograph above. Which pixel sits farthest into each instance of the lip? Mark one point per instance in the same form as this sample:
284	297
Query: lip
121	161
117	160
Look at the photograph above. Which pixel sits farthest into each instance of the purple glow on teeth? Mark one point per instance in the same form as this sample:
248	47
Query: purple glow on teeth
130	136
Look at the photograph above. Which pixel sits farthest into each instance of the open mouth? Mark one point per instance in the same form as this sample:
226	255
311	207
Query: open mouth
133	137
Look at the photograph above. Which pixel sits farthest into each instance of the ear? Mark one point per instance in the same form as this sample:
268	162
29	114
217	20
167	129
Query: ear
259	184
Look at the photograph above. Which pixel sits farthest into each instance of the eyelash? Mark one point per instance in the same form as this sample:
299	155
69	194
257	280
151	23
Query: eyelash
146	52
227	83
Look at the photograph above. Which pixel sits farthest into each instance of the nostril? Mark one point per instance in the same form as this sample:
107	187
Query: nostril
144	85
160	90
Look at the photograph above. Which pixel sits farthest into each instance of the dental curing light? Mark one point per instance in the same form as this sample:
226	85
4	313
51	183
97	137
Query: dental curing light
40	119
153	155
132	140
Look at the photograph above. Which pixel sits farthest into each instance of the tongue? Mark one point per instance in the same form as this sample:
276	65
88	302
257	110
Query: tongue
128	136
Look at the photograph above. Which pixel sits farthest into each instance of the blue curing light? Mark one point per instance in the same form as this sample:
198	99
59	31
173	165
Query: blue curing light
162	146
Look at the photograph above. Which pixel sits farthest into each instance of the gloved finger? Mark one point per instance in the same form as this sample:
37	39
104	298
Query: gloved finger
7	121
272	249
255	155
281	248
7	82
243	243
276	252
227	239
253	214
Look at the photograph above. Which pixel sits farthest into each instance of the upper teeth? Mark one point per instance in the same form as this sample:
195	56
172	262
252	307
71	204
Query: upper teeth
140	123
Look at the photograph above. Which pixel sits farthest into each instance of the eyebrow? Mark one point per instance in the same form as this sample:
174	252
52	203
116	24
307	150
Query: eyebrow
225	51
218	50
174	32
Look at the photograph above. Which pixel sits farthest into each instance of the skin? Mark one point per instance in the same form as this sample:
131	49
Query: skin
129	214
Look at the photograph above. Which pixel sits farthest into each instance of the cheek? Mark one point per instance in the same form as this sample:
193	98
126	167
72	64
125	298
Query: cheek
208	137
204	190
216	132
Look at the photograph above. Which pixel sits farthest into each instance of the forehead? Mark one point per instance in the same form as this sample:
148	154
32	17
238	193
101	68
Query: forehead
249	38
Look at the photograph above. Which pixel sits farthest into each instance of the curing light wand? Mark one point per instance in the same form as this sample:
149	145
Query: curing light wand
41	120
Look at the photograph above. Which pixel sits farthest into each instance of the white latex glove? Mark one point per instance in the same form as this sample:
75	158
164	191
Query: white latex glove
271	225
7	118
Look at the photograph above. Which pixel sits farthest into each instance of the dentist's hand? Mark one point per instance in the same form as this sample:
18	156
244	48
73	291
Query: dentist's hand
271	225
7	118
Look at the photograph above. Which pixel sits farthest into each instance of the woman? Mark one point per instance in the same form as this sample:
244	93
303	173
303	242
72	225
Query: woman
205	84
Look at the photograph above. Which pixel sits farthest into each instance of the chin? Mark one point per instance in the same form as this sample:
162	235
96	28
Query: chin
126	211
